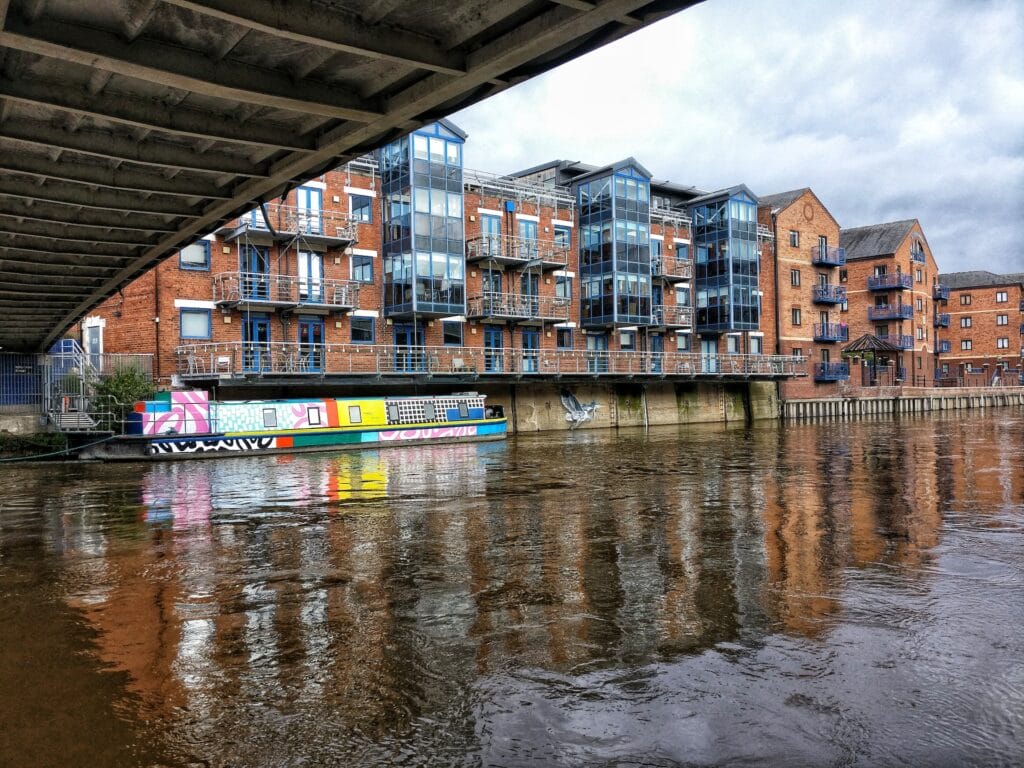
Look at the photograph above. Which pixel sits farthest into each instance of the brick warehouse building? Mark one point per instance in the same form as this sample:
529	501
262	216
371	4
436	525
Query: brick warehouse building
984	336
408	262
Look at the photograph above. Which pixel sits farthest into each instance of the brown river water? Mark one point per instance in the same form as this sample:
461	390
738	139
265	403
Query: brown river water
838	594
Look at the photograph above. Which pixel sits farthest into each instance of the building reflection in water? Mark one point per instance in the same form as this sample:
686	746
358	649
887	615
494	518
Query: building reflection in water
366	587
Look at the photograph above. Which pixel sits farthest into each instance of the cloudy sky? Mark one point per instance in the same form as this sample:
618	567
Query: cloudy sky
888	110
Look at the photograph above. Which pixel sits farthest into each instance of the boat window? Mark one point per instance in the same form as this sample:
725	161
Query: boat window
463	410
314	416
269	417
393	415
355	415
428	412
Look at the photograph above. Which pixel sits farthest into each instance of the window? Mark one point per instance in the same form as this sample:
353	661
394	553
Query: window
562	237
195	323
313	416
843	275
563	287
919	275
798	352
362	208
965	299
1000	297
919	304
794	238
794	277
627	341
682	342
732	345
564	338
965	322
757	345
845	306
918	361
796	315
355	414
879	270
451	331
1003	343
966	344
270	417
362	269
195	256
1002	320
656	249
920	333
362	330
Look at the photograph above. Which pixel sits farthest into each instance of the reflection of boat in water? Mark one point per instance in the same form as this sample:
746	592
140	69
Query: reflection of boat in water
186	425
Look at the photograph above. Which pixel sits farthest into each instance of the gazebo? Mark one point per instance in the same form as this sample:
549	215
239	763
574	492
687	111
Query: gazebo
869	343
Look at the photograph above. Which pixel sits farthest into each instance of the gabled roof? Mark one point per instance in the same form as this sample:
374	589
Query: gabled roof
870	343
724	193
875	240
979	279
612	167
453	128
782	200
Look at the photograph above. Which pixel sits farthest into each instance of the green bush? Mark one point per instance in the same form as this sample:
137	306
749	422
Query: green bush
117	393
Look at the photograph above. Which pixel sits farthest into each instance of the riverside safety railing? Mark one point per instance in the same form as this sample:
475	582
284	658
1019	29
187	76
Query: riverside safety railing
232	288
245	359
290	221
511	249
512	306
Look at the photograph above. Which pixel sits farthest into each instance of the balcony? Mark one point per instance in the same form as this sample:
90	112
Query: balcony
944	347
942	320
671	269
373	363
831	332
285	222
828	256
894	282
891	312
256	290
918	257
831	371
829	294
940	292
518	308
900	341
663	316
517	251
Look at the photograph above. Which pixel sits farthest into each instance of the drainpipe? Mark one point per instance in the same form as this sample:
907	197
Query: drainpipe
775	309
156	322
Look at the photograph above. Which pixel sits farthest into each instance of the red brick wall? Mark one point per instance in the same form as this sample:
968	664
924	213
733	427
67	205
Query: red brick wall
985	313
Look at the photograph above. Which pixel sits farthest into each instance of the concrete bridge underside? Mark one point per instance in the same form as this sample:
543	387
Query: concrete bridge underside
129	128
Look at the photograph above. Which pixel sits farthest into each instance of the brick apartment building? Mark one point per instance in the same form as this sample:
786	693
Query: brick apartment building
984	335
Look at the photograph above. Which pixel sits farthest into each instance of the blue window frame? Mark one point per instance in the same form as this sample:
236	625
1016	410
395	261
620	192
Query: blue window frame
362	330
195	256
564	338
562	237
362	208
362	268
452	333
194	323
563	287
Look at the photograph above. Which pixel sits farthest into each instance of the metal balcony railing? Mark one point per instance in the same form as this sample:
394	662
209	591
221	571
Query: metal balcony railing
900	341
510	249
945	347
940	292
669	267
831	332
829	294
290	221
918	256
831	371
942	320
269	290
828	256
893	282
672	316
891	312
511	306
287	359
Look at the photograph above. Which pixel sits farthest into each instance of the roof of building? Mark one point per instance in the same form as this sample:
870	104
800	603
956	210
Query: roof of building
979	279
875	239
724	193
453	128
782	200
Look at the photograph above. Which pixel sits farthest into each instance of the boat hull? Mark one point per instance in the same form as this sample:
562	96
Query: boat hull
226	445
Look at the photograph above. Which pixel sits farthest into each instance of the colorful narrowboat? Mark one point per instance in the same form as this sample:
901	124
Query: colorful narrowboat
187	425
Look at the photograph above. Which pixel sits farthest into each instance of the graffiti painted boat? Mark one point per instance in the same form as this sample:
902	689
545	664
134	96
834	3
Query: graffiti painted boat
188	425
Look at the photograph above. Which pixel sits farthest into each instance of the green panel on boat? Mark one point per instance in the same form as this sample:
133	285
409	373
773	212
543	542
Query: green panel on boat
162	397
333	438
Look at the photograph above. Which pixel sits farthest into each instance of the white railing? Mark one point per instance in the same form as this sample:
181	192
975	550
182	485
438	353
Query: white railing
672	315
510	186
514	305
517	249
258	287
670	266
239	359
290	220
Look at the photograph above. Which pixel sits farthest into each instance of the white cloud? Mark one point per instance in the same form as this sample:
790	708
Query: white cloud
888	110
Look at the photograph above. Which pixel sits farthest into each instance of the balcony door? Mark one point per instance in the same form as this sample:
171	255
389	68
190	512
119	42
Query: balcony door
311	277
311	344
494	356
256	350
709	355
409	353
255	267
310	210
531	350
